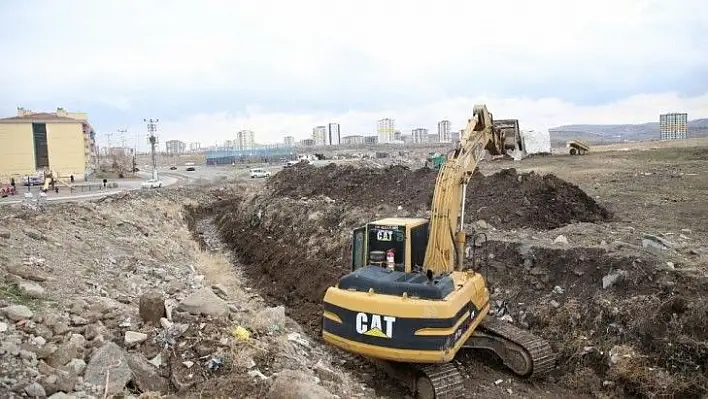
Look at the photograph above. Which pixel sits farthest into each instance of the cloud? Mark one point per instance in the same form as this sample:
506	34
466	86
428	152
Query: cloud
282	66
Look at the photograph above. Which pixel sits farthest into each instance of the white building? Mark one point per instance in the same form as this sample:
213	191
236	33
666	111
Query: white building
385	130
334	135
673	126
319	135
195	146
289	141
245	140
419	135
175	147
444	131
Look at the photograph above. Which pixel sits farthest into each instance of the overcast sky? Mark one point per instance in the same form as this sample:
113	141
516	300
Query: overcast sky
207	69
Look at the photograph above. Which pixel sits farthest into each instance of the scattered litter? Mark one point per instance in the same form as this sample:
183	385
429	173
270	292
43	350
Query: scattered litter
214	364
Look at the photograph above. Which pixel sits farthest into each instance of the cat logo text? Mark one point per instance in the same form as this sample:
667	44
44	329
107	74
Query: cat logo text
375	325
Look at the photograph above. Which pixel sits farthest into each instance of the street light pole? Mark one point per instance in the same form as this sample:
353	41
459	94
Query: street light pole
152	127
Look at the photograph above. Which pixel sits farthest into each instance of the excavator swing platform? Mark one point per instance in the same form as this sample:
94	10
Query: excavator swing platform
410	304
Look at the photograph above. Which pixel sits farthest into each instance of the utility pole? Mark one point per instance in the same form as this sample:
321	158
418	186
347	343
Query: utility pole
152	139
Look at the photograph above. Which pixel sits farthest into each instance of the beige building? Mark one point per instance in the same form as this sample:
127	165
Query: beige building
245	140
673	126
35	141
385	130
319	134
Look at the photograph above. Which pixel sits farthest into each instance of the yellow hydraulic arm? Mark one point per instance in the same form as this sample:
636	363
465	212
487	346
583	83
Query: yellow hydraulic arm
447	237
50	176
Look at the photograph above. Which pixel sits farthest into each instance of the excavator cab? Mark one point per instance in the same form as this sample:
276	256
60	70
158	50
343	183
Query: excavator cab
407	238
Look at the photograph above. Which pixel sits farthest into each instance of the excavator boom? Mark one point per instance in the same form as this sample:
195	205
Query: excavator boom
447	237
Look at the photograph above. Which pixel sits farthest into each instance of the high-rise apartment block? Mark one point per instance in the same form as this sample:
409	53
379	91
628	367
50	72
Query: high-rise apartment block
444	131
673	126
319	134
385	130
175	146
334	135
419	135
245	140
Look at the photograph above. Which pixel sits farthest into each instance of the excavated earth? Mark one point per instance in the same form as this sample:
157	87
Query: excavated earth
506	199
622	322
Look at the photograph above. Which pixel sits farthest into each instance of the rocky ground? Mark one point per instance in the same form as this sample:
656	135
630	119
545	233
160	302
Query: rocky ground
209	292
114	298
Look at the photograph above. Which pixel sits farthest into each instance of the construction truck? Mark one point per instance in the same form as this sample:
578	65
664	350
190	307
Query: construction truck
578	147
411	303
436	160
509	130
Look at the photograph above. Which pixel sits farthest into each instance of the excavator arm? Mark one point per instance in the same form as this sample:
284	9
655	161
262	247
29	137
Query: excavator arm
447	236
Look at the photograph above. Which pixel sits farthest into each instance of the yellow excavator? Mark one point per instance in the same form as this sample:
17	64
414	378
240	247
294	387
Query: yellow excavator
410	304
51	176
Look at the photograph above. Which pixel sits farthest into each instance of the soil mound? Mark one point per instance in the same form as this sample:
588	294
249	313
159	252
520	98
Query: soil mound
365	186
619	319
506	199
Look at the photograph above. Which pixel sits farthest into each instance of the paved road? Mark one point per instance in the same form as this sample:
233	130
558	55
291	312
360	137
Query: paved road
77	195
169	178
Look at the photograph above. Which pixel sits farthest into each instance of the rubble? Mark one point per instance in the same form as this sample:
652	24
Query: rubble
123	307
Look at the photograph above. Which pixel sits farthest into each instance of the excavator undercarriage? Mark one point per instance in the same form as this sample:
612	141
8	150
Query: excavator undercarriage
525	354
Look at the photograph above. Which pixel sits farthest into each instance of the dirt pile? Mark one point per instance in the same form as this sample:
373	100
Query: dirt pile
506	199
364	186
629	321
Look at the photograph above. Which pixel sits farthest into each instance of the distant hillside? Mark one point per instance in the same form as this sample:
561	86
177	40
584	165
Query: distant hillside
605	134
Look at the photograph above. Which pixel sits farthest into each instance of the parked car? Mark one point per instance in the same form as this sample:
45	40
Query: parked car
173	167
152	183
191	169
258	172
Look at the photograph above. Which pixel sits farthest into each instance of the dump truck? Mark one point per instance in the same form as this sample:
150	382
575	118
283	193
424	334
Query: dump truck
577	147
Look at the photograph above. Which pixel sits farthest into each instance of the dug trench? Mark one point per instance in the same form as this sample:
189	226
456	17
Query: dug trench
621	324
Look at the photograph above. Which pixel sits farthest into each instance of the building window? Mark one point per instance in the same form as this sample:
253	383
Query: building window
41	152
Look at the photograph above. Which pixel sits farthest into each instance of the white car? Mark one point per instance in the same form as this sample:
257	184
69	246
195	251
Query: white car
259	173
152	183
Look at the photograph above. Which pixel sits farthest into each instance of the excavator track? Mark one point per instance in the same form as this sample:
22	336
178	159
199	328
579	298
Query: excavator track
439	381
426	381
524	353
